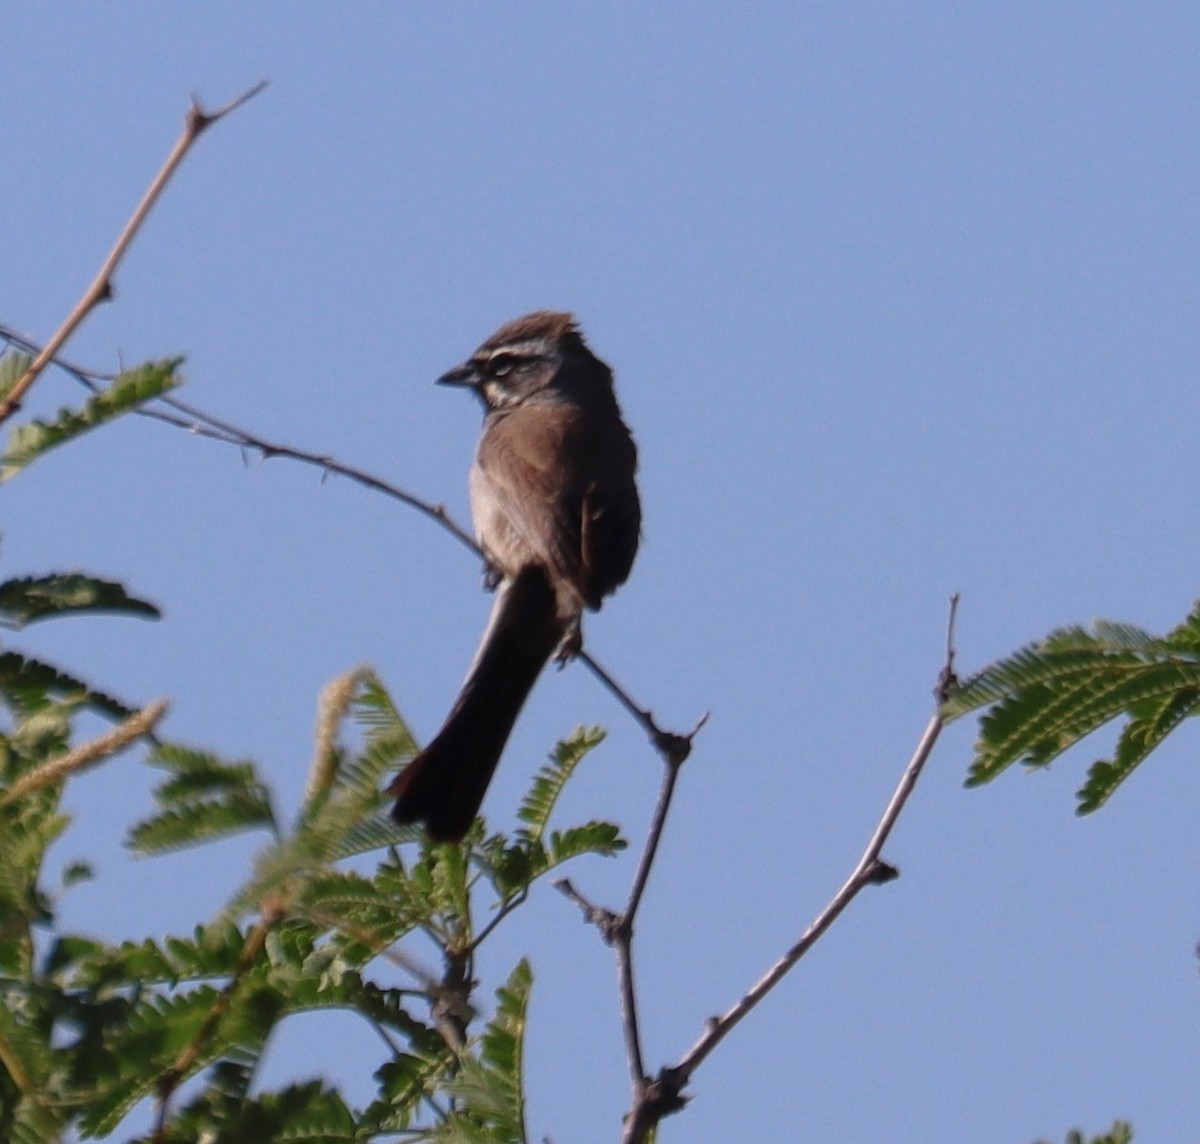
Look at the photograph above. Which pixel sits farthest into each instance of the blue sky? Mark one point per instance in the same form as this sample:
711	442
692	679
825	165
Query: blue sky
901	302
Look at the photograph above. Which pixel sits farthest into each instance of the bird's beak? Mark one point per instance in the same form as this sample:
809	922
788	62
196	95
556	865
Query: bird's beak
466	375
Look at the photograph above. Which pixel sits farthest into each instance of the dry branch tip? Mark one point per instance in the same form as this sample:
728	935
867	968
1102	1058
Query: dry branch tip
101	288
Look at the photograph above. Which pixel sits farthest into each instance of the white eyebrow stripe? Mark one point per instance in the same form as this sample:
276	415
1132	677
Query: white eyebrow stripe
530	347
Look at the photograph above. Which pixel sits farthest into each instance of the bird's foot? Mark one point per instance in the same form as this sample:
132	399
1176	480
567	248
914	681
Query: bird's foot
570	645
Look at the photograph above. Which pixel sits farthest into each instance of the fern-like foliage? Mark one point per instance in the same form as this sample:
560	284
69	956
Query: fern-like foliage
211	952
489	1081
28	686
513	865
538	804
345	812
31	598
1046	697
90	1030
128	391
203	799
304	1113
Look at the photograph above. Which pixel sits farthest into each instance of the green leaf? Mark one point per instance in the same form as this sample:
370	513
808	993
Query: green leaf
157	1030
513	865
203	799
1151	721
1186	637
341	813
128	391
304	1113
406	1082
601	838
211	952
367	917
200	822
76	872
548	784
503	1041
388	740
28	827
450	893
375	833
12	368
1049	695
29	683
375	710
26	1052
35	1124
41	597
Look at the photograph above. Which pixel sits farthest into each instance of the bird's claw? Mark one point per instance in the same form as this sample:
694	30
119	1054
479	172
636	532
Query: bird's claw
570	645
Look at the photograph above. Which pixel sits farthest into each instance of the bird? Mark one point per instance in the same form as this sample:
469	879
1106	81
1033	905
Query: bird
556	511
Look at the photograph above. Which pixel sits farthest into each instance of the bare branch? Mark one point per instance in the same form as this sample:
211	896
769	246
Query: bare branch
101	289
617	929
867	872
672	762
205	425
673	747
654	1099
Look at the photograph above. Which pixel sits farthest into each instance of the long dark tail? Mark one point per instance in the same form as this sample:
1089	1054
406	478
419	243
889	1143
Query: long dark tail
445	784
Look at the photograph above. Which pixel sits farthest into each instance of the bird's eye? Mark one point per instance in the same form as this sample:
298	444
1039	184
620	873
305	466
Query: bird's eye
502	364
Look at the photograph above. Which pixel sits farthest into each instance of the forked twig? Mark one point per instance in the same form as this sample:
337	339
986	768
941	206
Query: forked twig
101	289
871	870
673	747
617	929
655	1098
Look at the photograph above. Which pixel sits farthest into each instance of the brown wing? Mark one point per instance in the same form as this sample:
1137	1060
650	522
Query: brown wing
544	490
611	527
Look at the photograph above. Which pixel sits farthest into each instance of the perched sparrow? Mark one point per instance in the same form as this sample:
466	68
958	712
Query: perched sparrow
557	514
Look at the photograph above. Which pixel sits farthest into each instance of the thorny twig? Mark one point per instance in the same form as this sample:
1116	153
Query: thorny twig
657	1097
101	290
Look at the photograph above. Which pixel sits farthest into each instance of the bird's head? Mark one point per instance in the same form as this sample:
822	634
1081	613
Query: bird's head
530	356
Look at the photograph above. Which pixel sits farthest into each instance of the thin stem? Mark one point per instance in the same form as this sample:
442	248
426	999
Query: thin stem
864	874
629	1012
101	289
617	929
663	1095
673	746
653	837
